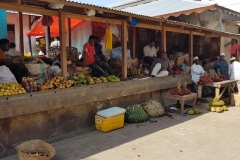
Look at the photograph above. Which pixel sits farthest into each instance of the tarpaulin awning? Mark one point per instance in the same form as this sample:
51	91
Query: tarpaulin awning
39	29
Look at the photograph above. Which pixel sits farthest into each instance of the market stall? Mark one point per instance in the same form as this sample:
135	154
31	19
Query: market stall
227	84
62	108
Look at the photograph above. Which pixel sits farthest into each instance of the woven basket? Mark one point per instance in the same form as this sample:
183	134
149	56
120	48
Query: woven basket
34	146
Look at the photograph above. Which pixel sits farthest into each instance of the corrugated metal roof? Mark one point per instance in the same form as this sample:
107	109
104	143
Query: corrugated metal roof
162	7
169	7
146	16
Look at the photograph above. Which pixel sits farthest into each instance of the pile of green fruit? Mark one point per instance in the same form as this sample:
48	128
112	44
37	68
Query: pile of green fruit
95	80
113	78
79	80
194	111
135	114
217	106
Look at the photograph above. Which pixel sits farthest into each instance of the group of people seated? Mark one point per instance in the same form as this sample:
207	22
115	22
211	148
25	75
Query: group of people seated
158	61
7	48
94	58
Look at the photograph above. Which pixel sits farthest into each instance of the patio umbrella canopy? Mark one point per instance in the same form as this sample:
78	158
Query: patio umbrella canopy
39	29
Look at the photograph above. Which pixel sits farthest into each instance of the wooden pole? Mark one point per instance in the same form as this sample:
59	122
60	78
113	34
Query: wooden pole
191	48
134	42
62	35
124	49
164	40
21	40
69	33
29	37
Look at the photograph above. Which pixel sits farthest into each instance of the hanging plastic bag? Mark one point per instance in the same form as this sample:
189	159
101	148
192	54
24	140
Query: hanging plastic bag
6	75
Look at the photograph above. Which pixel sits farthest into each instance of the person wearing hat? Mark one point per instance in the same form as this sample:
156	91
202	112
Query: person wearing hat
196	72
234	71
221	65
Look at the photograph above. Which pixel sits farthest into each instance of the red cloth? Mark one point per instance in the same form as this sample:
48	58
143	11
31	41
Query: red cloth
234	48
39	29
90	56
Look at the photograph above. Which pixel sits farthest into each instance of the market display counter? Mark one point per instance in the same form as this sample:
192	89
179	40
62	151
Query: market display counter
47	113
230	84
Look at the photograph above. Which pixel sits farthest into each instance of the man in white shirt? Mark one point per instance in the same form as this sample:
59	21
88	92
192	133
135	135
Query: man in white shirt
234	71
150	52
196	72
55	43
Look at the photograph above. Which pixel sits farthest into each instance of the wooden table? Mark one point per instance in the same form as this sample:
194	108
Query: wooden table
182	99
230	84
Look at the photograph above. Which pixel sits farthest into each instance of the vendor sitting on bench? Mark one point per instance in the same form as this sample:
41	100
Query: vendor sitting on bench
150	52
98	68
160	66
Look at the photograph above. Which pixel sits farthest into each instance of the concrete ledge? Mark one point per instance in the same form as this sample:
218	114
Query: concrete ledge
46	114
48	100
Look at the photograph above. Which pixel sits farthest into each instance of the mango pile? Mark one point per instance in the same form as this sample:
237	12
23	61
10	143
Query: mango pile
95	80
194	111
217	106
12	88
79	80
55	83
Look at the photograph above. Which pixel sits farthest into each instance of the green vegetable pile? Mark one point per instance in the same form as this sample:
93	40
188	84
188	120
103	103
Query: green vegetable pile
113	79
135	114
79	80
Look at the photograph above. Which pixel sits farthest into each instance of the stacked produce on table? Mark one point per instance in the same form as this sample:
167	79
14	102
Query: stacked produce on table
205	79
29	85
113	78
81	80
11	88
179	91
214	77
55	83
217	106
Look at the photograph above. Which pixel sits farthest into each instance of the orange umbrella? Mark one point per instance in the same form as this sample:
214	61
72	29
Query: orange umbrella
39	29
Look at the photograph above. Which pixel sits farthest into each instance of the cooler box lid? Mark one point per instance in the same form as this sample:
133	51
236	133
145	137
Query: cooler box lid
111	112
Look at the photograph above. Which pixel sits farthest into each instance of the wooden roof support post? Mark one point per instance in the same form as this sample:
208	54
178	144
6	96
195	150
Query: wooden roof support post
164	40
134	41
21	40
62	35
191	48
69	33
124	46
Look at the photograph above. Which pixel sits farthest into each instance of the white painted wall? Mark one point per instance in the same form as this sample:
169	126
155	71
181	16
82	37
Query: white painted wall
12	18
208	18
80	34
213	20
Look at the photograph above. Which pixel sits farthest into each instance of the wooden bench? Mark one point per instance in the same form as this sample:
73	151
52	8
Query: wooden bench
182	99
